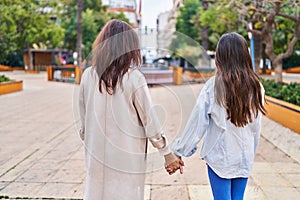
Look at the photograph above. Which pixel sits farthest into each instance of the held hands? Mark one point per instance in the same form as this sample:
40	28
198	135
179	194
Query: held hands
173	163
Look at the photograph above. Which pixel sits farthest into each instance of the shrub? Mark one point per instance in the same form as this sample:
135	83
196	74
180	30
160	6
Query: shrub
283	91
13	60
290	62
4	79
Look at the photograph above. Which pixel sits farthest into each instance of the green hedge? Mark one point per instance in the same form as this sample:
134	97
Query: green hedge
4	79
283	91
290	62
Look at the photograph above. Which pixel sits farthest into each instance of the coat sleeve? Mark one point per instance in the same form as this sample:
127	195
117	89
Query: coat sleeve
145	109
82	108
195	128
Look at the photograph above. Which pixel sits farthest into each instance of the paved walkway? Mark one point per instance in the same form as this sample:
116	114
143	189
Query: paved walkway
41	155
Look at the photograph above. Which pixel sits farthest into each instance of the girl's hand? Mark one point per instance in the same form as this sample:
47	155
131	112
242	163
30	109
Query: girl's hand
173	163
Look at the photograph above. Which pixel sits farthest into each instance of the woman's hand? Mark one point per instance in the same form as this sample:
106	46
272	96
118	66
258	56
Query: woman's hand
173	163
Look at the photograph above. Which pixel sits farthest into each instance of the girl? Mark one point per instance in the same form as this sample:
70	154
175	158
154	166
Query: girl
228	115
117	118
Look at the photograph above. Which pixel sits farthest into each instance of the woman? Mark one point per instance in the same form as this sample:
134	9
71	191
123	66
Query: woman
117	117
228	115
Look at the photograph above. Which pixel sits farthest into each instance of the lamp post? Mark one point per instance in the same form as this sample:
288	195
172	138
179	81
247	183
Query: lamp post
250	35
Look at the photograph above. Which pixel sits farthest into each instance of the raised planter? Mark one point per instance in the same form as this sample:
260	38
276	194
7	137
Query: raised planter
293	70
32	71
5	68
66	73
11	86
284	113
156	76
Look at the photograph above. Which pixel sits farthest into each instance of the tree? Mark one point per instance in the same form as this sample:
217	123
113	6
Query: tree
220	18
79	30
24	22
187	20
94	17
275	15
205	28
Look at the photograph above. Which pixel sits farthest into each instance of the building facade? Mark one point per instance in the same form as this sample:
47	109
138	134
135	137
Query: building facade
166	27
130	8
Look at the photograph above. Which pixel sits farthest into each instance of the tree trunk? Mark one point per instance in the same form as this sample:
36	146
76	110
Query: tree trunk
257	51
264	58
30	67
204	38
278	71
79	30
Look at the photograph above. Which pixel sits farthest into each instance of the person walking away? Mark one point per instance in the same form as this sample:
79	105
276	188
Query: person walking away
117	118
227	115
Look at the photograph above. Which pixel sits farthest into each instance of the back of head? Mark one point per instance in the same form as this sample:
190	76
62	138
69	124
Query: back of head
115	49
237	87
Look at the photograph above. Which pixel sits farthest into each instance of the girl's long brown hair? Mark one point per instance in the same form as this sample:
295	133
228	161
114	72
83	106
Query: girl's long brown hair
237	87
115	49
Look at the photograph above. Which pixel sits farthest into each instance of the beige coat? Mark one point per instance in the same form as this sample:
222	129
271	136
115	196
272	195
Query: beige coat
115	128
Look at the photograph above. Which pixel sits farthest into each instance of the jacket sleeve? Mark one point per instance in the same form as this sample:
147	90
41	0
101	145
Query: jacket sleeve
258	121
145	109
195	128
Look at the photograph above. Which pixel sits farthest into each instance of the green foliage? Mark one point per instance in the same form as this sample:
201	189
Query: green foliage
14	60
89	27
190	53
292	61
187	19
283	91
282	34
24	22
3	78
52	22
94	17
220	18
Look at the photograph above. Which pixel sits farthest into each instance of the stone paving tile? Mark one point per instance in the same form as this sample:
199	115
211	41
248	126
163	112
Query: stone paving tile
195	171
36	175
57	190
285	139
162	178
78	191
68	176
267	152
263	168
3	185
16	189
202	192
174	192
147	192
280	193
294	179
254	193
275	180
75	164
79	155
15	171
286	167
48	164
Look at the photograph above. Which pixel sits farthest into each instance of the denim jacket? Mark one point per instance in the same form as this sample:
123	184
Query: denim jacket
227	149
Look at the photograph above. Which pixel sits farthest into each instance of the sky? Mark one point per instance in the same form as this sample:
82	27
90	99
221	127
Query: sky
151	9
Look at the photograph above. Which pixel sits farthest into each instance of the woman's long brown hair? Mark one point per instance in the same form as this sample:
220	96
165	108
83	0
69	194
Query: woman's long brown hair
115	49
237	87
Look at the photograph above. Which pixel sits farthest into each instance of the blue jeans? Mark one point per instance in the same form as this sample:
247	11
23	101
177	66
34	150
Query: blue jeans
226	189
